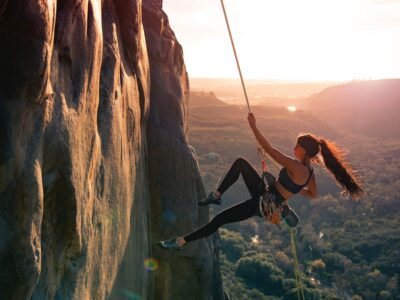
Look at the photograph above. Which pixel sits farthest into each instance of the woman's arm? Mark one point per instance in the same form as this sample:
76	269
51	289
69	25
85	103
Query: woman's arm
310	190
278	156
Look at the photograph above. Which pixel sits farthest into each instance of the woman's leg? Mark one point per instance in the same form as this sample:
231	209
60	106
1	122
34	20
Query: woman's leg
253	181
236	213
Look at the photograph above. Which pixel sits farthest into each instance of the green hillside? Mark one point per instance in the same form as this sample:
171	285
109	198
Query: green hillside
369	108
347	249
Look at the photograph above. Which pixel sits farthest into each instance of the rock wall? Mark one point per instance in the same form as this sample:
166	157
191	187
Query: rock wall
74	98
174	179
88	184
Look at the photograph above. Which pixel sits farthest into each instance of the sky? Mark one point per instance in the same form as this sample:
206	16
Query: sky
308	40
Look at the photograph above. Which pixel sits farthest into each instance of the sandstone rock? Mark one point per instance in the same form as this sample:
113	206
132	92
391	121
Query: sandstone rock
74	100
76	173
174	191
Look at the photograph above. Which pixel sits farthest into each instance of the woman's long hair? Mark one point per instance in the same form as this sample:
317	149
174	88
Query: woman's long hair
334	161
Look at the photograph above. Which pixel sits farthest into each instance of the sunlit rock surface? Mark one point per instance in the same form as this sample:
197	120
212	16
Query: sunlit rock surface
74	97
83	198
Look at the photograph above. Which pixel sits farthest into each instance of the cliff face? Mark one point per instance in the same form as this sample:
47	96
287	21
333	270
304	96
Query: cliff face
74	102
174	180
79	186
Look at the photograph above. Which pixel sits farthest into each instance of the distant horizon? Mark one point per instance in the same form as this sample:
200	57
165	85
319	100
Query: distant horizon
278	80
230	89
287	81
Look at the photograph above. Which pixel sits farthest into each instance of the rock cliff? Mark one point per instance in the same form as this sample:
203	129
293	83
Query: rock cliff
83	198
74	102
174	180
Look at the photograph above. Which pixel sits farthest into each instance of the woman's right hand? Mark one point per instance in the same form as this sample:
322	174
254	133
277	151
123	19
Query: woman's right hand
252	120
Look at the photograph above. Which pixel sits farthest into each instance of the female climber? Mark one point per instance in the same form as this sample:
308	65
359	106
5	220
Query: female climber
295	177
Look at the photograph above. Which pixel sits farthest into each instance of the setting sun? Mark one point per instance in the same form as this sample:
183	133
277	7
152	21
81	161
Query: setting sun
292	108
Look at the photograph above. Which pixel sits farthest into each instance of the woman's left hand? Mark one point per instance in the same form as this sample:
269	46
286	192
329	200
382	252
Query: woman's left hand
252	120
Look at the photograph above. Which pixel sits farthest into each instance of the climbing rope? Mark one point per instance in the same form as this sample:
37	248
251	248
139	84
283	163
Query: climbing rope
297	275
260	150
263	155
236	57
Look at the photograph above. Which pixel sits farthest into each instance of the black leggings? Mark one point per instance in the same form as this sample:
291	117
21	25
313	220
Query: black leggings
238	212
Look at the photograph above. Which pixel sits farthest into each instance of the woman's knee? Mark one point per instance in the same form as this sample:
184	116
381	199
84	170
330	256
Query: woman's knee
241	162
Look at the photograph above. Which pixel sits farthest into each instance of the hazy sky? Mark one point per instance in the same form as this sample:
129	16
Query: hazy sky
290	39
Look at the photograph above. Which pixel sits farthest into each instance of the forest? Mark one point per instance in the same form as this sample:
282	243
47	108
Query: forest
347	249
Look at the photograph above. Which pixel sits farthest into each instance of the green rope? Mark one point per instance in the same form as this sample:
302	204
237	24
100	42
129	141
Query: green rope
299	285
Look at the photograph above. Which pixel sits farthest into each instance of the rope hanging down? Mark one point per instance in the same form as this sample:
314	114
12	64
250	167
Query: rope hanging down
300	293
260	150
297	274
236	57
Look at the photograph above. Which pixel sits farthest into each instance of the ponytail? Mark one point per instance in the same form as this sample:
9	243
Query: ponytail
334	161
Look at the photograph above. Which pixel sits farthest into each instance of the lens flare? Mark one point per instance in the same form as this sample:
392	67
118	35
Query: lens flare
151	264
169	216
130	295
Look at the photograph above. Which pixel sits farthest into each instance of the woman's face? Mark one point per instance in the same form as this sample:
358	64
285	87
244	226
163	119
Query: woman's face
299	152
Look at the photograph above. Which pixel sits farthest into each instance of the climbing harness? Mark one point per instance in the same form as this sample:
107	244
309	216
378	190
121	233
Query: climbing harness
270	207
273	212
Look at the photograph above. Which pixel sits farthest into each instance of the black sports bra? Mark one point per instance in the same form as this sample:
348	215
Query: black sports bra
288	183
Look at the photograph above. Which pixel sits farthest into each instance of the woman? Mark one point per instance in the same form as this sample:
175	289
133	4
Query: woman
296	177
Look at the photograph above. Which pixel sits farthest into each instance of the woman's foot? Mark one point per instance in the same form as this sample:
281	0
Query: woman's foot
175	243
213	198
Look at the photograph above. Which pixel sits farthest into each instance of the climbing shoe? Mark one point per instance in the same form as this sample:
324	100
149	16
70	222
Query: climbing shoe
170	244
211	199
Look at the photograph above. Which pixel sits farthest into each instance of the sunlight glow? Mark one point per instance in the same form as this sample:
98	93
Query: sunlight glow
255	240
290	40
292	108
314	281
